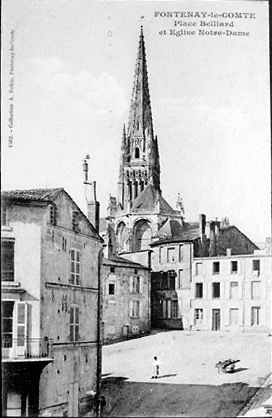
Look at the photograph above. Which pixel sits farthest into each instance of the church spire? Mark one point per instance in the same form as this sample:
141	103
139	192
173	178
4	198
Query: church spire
140	116
139	164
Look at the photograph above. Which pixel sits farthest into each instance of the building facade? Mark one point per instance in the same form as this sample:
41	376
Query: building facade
126	299
50	304
232	293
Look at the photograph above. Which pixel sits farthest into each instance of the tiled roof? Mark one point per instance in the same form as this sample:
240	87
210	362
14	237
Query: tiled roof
147	201
120	261
42	195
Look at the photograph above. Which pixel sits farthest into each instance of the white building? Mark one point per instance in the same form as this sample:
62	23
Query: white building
232	293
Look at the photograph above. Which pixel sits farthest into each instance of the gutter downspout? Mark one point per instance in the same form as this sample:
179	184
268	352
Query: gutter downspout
99	342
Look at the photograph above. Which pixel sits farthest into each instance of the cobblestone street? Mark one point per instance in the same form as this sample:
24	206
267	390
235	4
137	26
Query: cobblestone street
189	383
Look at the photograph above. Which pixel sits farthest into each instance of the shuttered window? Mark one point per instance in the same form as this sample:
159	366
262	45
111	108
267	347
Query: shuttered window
74	323
7	260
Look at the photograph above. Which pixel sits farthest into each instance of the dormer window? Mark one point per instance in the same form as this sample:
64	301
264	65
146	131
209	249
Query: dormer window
53	215
75	221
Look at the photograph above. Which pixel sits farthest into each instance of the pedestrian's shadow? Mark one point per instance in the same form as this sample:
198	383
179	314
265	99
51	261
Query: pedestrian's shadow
166	375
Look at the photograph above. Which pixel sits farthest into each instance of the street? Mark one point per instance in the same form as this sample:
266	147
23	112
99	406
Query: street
189	383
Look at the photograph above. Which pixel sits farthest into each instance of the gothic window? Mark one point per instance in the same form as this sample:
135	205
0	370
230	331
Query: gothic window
137	152
135	189
142	233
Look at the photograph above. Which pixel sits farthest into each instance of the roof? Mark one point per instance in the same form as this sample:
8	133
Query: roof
148	200
117	261
32	195
42	196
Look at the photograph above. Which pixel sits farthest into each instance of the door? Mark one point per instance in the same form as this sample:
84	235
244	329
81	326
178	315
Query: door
216	319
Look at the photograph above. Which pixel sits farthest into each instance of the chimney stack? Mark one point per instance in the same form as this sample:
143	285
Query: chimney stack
202	225
93	205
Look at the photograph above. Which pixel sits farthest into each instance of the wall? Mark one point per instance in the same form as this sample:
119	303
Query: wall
243	300
74	366
118	323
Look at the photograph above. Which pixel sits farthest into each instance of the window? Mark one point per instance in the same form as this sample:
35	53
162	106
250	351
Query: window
233	290
137	152
4	215
255	315
234	267
180	252
171	279
7	260
74	323
160	255
75	267
53	215
7	324
216	290
256	290
216	267
135	284
198	269
112	269
135	309
234	316
170	254
174	307
199	290
160	308
111	288
198	316
256	266
75	221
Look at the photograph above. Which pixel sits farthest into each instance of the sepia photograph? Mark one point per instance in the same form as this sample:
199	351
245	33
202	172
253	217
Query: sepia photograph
136	208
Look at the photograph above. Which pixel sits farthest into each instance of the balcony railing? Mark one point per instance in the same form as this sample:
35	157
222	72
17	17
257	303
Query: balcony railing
26	348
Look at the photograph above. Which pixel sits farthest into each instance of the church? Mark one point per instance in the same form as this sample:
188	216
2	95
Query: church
139	211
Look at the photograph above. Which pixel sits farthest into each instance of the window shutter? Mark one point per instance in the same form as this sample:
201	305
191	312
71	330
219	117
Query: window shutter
131	284
227	290
205	289
240	290
239	262
130	308
140	309
141	284
263	289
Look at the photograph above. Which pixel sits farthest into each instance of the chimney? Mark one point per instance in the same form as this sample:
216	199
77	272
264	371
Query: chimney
212	250
202	225
92	205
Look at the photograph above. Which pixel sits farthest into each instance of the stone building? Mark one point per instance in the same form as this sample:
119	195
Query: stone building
126	299
232	292
50	304
173	253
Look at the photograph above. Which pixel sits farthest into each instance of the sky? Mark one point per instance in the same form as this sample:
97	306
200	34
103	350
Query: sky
73	67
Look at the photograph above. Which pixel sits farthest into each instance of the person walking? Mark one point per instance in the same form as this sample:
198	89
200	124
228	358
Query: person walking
156	368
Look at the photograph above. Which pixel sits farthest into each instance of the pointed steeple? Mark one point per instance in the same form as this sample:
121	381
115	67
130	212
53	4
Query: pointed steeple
140	116
139	164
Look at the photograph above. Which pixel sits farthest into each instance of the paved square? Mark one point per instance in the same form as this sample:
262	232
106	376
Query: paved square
189	383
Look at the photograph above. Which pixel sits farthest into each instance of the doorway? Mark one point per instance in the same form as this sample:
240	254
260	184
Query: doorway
216	319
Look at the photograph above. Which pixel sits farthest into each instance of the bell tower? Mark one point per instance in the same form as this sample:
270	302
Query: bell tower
139	162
